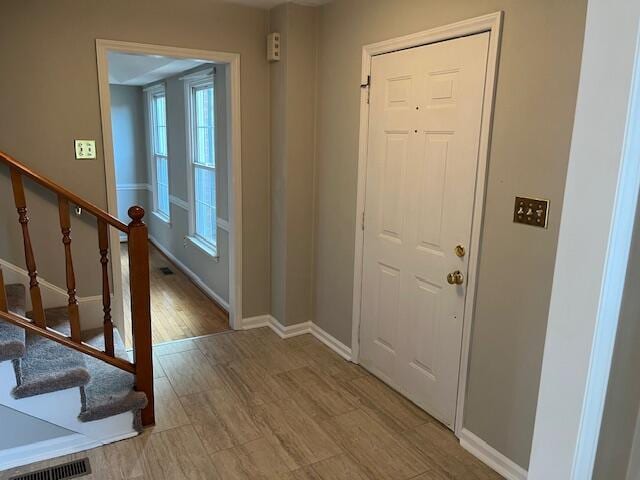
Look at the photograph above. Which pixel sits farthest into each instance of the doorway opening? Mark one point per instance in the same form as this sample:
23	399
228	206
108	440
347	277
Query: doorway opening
171	137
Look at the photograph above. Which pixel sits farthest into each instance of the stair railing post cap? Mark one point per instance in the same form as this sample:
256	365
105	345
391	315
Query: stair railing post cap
136	213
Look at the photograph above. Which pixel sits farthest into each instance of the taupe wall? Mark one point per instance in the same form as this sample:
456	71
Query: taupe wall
52	62
50	96
293	97
535	102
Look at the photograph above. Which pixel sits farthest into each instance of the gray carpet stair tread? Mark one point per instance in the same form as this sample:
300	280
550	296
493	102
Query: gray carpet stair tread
48	366
110	391
12	337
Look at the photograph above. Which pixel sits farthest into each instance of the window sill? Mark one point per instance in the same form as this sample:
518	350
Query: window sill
162	217
208	249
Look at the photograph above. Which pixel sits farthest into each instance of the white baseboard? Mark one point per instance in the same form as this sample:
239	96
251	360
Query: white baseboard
91	314
281	330
491	457
290	331
298	329
255	322
192	276
332	342
49	449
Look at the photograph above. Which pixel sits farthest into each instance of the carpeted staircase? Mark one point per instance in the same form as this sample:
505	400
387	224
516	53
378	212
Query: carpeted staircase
43	366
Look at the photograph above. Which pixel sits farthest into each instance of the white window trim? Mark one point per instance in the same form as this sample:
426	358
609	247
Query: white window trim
190	82
199	75
150	92
205	247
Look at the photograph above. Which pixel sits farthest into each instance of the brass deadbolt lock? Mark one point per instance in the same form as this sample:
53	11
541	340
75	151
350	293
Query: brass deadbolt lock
460	251
455	278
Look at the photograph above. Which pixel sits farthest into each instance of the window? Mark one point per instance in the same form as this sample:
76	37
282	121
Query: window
157	103
202	160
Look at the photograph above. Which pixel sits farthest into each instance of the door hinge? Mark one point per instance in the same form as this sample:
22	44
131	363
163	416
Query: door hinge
362	221
368	87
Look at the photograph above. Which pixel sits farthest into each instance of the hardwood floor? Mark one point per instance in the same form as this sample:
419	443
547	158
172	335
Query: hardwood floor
248	405
179	309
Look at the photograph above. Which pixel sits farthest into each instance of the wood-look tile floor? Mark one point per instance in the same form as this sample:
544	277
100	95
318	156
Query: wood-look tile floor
179	309
248	405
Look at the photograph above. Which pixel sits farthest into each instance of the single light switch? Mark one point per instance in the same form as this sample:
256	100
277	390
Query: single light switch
531	211
85	149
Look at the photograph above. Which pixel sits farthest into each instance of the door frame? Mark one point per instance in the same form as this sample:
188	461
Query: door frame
491	23
234	139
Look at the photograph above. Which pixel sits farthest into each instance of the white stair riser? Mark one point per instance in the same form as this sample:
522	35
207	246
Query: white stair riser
62	408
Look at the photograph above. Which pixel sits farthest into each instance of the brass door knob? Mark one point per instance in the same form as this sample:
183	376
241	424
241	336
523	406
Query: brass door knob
455	278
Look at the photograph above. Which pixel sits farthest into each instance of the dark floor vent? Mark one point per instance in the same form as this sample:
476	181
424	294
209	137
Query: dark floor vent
166	271
75	469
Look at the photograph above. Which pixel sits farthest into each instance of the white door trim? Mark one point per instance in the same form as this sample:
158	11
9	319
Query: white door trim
587	296
487	23
235	156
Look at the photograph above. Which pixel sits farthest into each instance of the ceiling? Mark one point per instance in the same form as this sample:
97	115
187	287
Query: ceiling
129	69
273	3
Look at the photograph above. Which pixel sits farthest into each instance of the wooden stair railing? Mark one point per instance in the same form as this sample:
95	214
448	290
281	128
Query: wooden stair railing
136	231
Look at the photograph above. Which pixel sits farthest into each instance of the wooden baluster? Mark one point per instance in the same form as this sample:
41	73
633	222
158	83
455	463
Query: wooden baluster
4	306
141	309
65	227
34	287
103	242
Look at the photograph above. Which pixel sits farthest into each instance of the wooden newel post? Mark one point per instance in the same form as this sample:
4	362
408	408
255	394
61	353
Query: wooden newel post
141	309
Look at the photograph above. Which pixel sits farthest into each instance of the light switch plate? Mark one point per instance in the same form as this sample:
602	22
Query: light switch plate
85	149
531	211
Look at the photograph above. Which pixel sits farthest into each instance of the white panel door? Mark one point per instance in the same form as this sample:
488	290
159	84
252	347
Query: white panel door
424	131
